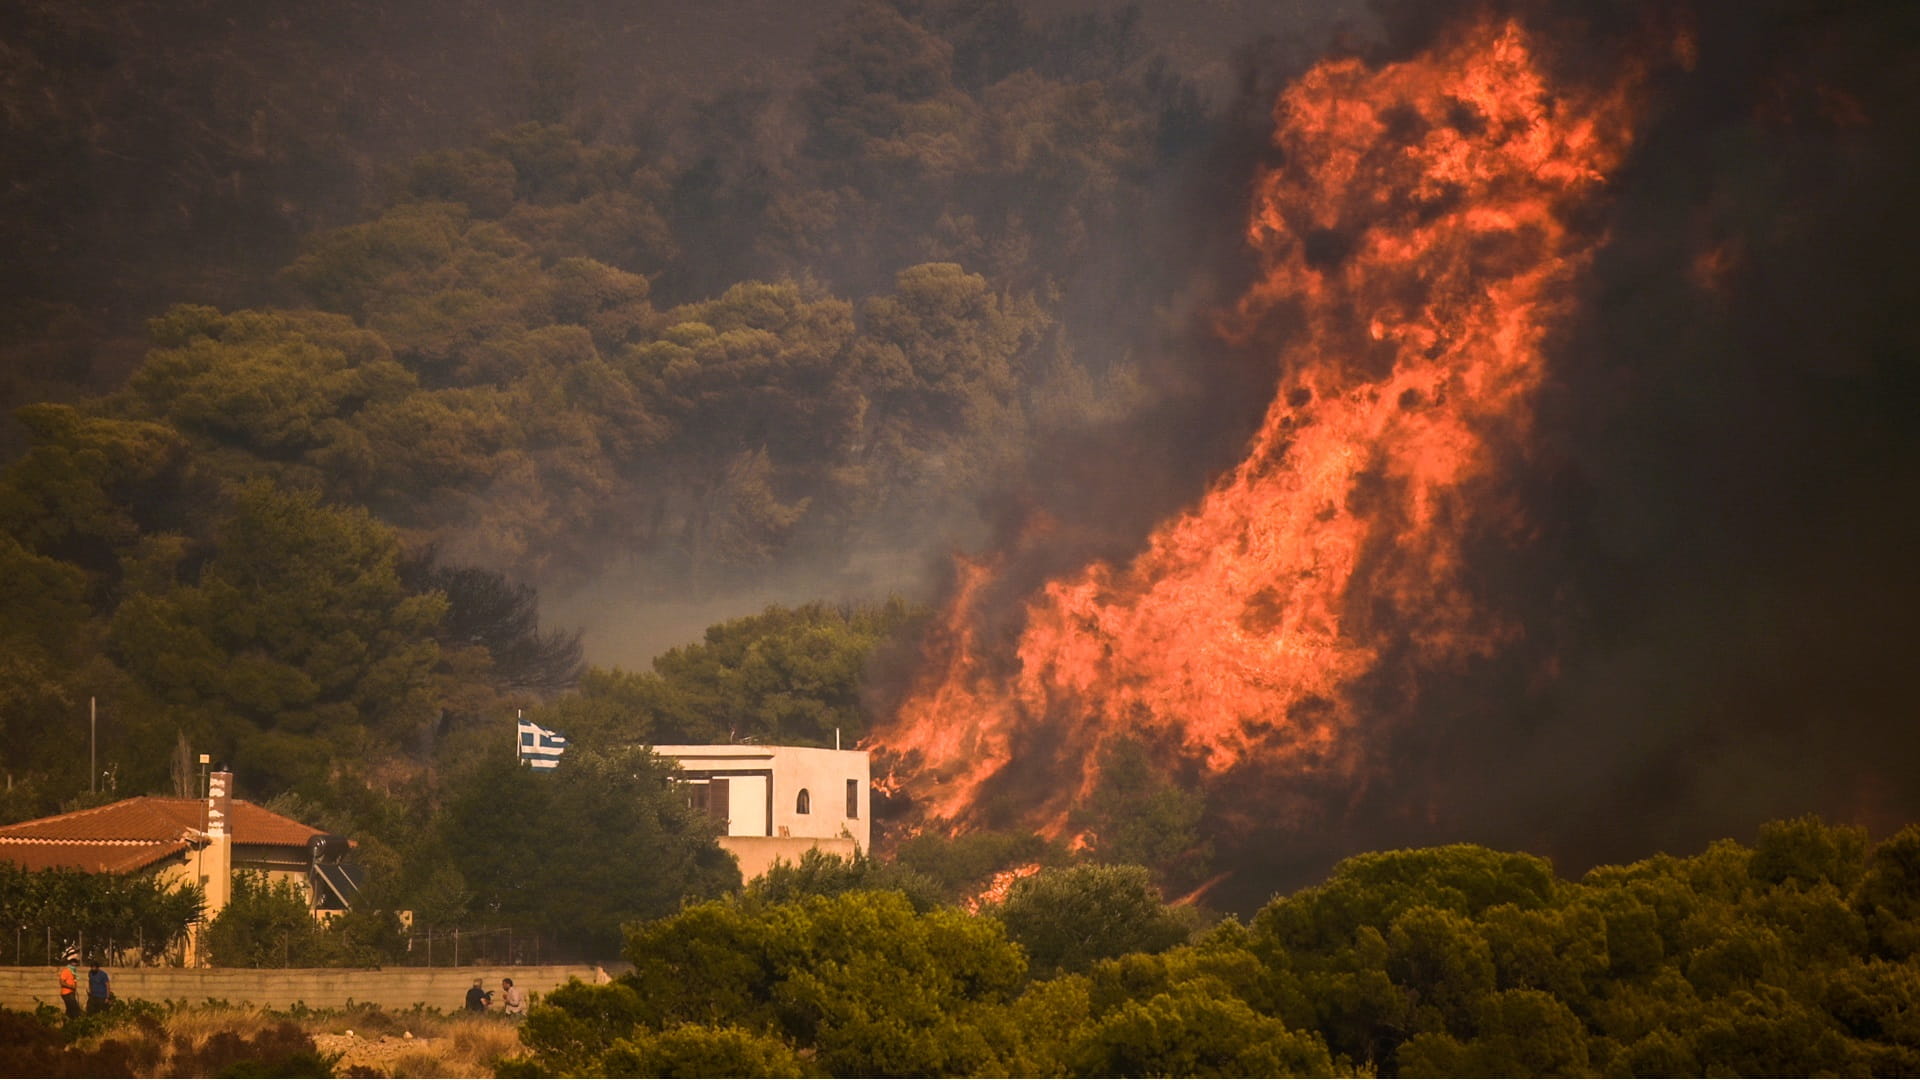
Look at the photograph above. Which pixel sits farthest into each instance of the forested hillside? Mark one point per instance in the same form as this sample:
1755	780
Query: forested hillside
786	333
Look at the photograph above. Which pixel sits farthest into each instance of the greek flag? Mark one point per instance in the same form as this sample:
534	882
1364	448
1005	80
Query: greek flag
540	748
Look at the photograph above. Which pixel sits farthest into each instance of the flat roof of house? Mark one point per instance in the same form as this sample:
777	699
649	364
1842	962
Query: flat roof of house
746	750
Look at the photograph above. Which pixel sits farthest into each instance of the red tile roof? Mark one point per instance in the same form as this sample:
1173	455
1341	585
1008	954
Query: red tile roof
99	857
136	833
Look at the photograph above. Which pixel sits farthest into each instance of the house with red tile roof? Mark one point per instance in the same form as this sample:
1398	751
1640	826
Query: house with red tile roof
189	840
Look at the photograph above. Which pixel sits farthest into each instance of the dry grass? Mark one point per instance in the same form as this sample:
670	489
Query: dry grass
485	1039
441	1045
368	1040
423	1063
196	1023
199	1040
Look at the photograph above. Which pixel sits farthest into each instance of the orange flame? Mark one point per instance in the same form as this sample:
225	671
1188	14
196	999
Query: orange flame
1415	236
998	886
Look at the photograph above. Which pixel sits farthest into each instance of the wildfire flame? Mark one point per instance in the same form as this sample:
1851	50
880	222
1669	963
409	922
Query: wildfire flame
1416	238
998	886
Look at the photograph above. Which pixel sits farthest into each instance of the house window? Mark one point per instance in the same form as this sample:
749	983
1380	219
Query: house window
853	798
712	796
803	804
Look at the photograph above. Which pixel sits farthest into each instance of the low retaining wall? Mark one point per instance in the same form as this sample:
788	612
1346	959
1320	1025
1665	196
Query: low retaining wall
277	988
756	854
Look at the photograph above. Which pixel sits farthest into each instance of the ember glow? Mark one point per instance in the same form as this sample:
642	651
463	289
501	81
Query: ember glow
1414	247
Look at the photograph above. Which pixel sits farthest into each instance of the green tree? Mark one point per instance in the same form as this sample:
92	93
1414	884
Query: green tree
267	923
487	611
43	619
1389	946
600	841
298	638
880	82
105	913
1442	962
1808	852
1877	1003
763	408
1191	1032
1219	959
282	386
1068	918
791	676
1562	951
570	1028
787	675
1371	890
1136	815
88	487
1519	1033
819	873
875	988
1767	1031
943	357
695	1050
961	866
1889	894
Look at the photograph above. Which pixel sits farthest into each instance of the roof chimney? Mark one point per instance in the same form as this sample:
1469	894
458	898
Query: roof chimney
216	868
219	803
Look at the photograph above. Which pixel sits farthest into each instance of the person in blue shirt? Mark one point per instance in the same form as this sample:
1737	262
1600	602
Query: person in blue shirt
99	992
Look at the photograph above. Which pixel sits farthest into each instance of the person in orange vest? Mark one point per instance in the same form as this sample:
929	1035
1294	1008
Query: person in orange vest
69	983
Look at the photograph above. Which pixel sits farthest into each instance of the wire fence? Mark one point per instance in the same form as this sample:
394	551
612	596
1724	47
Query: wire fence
47	945
492	947
496	946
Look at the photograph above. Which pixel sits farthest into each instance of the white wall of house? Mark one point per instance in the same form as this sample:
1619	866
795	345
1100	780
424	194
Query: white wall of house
764	786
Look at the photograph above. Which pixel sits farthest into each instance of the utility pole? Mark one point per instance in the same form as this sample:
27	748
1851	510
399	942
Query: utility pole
93	729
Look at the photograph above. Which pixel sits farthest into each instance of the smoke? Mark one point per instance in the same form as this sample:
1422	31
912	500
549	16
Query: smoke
1728	485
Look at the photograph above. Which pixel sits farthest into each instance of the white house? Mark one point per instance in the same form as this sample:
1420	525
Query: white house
778	802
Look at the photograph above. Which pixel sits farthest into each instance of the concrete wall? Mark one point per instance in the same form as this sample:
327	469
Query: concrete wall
757	853
393	988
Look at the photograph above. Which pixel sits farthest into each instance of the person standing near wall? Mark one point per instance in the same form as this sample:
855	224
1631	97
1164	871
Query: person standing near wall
513	999
99	989
478	998
69	984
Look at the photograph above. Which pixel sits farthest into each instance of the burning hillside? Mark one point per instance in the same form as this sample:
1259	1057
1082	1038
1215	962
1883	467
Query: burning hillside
1416	243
